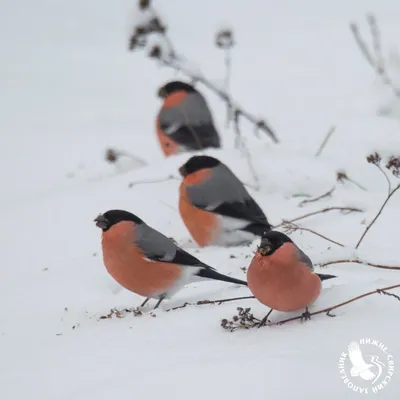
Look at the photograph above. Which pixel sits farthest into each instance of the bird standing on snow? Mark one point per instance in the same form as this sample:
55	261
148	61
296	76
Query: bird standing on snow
282	277
215	206
145	261
184	122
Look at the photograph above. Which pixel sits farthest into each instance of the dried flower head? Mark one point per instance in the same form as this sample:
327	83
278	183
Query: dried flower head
137	40
393	165
111	155
374	158
224	39
143	4
155	52
155	25
341	176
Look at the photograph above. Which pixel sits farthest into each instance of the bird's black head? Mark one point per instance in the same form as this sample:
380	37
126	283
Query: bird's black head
196	163
174	86
272	241
108	219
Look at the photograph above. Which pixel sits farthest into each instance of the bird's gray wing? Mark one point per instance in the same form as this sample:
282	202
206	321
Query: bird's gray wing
303	257
224	194
157	247
191	111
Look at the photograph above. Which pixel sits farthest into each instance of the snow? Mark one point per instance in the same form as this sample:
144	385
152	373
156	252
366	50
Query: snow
70	89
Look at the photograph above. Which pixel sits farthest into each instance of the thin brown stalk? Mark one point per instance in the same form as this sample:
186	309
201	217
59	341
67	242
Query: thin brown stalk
320	197
329	309
149	181
203	302
358	262
377	215
324	210
325	141
293	227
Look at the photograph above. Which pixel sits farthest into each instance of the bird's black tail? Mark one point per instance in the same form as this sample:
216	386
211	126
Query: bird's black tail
324	277
212	274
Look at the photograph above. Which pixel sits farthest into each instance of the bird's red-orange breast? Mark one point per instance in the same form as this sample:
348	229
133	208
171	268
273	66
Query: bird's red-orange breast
281	282
126	264
169	146
202	225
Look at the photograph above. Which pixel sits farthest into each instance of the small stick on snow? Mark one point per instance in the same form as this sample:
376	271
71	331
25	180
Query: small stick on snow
166	179
325	141
203	302
325	264
314	199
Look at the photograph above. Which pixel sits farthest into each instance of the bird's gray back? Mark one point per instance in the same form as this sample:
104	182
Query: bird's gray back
221	187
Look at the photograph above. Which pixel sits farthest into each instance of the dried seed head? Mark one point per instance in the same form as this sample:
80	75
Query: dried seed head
224	39
155	25
137	40
111	155
341	176
143	4
155	52
394	166
235	318
374	158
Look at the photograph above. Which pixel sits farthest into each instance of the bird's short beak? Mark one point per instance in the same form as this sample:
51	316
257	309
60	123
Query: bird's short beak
182	171
161	93
265	247
101	221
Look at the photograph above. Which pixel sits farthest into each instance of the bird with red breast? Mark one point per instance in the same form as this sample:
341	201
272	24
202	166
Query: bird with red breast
185	122
146	262
282	277
216	207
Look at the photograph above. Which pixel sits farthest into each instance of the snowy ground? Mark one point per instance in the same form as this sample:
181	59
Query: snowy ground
69	89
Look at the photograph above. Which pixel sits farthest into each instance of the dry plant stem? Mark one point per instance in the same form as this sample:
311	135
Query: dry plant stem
166	179
203	302
261	124
314	199
325	141
386	177
292	226
228	75
358	262
240	143
376	39
376	64
329	309
377	215
357	184
324	210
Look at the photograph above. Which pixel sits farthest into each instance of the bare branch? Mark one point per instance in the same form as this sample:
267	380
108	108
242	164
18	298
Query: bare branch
355	261
341	176
292	227
376	163
166	179
324	210
246	320
325	141
320	197
374	60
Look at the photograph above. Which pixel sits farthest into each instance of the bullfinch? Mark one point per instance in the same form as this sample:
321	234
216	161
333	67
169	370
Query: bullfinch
215	206
185	122
282	277
145	261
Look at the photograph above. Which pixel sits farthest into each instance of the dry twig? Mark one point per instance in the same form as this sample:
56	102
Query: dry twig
394	166
292	227
171	59
320	197
246	320
324	210
325	141
356	261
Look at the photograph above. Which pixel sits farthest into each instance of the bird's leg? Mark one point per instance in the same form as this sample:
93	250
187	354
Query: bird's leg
305	316
265	319
159	302
144	303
